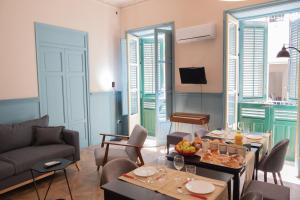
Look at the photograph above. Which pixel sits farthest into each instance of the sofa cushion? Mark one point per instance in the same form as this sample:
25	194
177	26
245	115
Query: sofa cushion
14	136
48	135
6	169
23	159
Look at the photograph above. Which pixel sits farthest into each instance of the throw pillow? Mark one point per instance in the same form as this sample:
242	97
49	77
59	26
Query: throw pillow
48	135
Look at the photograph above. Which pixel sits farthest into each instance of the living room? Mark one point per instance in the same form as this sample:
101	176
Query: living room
79	69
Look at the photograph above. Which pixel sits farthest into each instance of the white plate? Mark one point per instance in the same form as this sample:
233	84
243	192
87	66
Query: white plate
254	137
200	187
145	171
217	132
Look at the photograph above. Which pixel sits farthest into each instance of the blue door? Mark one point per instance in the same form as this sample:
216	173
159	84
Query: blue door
62	65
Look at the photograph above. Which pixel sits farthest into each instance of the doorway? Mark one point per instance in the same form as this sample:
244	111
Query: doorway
261	89
150	63
62	75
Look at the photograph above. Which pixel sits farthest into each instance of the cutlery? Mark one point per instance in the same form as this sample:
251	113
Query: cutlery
134	178
179	190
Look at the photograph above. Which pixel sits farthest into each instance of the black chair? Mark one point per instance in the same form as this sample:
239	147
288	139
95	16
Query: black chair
115	168
252	196
267	190
274	161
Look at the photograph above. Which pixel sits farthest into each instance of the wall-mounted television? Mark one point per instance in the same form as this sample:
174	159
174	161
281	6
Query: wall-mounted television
192	75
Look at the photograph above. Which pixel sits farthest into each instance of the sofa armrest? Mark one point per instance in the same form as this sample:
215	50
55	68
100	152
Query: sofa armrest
72	138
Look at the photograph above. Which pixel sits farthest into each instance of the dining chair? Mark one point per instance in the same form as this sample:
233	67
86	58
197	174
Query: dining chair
252	196
115	168
274	161
268	190
131	151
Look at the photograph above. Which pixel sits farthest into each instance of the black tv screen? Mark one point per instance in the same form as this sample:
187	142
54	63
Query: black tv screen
192	75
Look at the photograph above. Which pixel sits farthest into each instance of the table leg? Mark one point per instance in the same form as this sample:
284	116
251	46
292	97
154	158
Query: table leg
236	187
65	172
50	183
35	187
170	129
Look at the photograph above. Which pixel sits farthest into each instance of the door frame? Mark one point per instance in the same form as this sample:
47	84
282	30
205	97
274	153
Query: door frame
38	25
250	8
157	26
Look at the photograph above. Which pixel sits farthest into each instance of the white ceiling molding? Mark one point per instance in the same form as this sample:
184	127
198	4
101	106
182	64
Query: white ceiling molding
121	3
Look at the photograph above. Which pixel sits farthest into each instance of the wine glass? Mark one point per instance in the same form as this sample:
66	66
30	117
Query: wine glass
178	164
191	170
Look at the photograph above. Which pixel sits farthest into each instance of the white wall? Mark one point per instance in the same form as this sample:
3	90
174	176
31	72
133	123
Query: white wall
18	71
186	13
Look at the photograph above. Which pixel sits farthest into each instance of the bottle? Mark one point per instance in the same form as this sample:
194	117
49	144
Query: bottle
238	138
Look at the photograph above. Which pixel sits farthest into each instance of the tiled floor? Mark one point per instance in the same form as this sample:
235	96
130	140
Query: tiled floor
85	183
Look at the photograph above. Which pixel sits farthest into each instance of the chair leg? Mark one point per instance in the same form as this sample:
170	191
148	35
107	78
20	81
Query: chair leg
280	179
77	166
256	174
168	146
265	177
274	177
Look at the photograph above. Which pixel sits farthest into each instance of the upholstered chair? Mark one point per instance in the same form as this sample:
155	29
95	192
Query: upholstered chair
130	150
274	161
115	168
252	196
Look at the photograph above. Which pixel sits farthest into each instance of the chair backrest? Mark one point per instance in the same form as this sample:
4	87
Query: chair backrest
137	137
275	160
115	168
252	196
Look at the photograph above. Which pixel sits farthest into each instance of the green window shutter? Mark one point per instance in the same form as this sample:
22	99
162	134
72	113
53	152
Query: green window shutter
253	60
294	60
133	77
148	66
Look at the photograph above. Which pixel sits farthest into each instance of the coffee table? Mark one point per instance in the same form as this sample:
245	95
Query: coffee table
39	167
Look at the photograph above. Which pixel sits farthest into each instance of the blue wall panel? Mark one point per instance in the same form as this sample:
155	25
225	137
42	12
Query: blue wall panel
105	113
212	104
106	110
18	110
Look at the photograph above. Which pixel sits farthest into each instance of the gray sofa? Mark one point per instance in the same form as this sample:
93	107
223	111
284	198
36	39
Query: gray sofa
18	152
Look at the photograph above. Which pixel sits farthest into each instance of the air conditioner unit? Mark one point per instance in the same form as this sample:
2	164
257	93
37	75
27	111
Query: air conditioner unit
196	33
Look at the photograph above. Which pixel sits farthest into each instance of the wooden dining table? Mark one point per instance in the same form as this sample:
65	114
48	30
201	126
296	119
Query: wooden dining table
238	174
122	190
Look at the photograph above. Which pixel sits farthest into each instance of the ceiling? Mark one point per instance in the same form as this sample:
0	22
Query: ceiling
121	3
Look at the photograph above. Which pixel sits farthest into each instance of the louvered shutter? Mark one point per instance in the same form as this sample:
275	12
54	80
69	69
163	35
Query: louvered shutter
232	64
253	60
294	60
149	69
133	77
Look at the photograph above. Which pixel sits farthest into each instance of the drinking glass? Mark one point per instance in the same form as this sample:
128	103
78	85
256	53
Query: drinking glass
178	164
191	170
161	164
205	145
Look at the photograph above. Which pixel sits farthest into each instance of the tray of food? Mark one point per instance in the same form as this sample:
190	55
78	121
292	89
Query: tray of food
234	161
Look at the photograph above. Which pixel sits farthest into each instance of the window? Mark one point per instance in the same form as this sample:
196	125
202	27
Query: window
253	60
133	76
294	60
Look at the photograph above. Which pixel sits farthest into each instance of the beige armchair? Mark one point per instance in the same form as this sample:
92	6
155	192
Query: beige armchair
131	151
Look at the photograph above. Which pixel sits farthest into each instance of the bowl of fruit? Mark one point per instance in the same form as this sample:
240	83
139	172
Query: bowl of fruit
185	148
